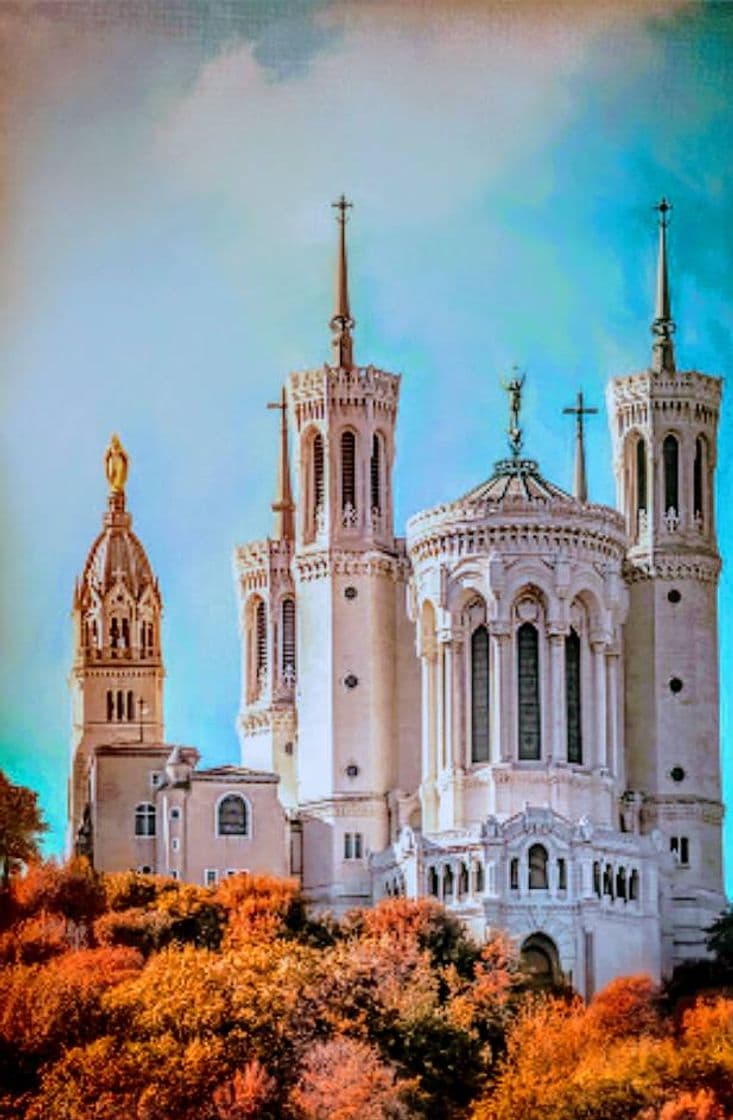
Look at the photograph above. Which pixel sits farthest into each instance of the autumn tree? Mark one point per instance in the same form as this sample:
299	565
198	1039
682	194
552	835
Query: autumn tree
21	824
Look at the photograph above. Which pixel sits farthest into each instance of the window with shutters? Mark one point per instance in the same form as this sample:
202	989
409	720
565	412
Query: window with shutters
232	815
670	456
376	473
288	640
528	691
572	698
348	477
480	695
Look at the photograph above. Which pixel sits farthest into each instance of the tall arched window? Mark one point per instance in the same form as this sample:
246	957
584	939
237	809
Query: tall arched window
697	479
348	472
480	695
671	455
528	691
145	819
572	697
537	860
288	638
318	484
114	633
641	496
130	706
261	639
110	705
376	473
232	818
120	705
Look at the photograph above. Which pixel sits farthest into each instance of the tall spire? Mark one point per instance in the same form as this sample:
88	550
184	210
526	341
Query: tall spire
663	324
341	322
580	484
283	507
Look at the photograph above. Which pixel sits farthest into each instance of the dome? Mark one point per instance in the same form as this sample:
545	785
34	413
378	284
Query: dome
516	480
118	554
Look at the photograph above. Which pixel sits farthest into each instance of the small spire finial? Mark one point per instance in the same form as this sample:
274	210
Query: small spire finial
663	325
283	507
580	488
341	322
514	388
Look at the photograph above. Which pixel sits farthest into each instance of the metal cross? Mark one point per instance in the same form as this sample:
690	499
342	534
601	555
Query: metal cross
663	208
282	404
342	205
579	412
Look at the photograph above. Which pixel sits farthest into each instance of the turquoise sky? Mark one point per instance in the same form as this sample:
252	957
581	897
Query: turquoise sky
167	259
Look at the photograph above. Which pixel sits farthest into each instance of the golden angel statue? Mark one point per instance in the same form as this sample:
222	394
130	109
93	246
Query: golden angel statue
115	464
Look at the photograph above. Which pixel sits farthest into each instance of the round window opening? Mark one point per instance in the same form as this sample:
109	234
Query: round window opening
674	595
675	685
351	681
352	770
351	593
677	774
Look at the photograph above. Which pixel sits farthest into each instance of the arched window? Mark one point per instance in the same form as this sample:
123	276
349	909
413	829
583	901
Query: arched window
597	878
641	500
697	479
514	874
432	881
232	816
261	640
288	639
348	474
125	639
145	819
480	695
634	886
110	705
670	456
114	633
120	705
463	886
151	633
376	474
478	878
130	706
447	881
537	860
562	875
572	697
318	485
528	691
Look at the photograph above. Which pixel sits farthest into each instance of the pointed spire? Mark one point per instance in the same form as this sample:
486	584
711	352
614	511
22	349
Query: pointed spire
341	322
283	507
663	325
580	484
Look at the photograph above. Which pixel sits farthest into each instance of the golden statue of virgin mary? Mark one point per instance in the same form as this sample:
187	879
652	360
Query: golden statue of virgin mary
116	461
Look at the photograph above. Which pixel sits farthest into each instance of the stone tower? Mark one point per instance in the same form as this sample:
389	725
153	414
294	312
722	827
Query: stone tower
267	721
116	680
664	425
357	673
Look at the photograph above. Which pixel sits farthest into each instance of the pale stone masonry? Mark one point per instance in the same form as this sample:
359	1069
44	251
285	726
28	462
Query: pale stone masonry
514	708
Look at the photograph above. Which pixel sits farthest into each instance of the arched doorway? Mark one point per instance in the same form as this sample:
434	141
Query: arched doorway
540	960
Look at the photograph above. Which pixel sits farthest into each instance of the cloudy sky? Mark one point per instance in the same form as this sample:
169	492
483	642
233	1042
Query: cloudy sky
167	172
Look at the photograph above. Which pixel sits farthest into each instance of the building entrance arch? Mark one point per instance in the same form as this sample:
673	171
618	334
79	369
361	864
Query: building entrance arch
541	960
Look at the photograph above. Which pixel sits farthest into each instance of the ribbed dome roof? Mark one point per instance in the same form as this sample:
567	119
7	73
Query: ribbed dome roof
117	554
516	479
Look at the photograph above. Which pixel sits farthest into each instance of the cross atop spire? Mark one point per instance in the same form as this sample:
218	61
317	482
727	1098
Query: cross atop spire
283	507
663	325
514	388
341	322
580	488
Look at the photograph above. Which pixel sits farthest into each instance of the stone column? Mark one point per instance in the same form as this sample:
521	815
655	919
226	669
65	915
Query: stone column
458	692
428	664
558	740
448	700
614	746
502	709
598	646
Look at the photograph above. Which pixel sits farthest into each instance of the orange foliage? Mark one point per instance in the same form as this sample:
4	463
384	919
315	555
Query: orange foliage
245	1096
257	906
36	939
73	889
693	1106
628	1007
344	1079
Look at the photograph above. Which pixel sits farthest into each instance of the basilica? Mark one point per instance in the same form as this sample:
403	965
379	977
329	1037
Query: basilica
513	707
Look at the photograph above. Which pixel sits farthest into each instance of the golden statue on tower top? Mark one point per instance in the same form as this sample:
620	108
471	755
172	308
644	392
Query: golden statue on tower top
116	461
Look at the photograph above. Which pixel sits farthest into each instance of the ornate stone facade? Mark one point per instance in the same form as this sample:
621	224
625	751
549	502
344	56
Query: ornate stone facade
513	709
